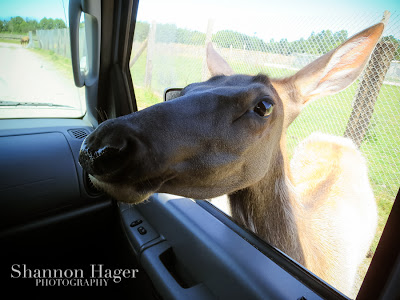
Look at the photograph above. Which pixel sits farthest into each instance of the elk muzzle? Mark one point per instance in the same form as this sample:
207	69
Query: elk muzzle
110	149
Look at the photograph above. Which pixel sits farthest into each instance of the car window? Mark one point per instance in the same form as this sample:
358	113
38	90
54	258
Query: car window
278	39
35	67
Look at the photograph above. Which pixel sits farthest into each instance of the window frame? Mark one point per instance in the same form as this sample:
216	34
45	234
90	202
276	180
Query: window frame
385	267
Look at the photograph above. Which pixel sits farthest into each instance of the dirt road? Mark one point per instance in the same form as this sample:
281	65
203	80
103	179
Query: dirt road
27	77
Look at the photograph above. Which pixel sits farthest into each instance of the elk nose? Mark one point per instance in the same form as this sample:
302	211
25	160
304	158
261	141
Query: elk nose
106	155
101	161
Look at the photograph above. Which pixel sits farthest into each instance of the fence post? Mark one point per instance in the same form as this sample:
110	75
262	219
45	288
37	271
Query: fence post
57	33
204	71
68	43
30	44
65	43
51	38
46	39
142	48
39	38
150	53
368	90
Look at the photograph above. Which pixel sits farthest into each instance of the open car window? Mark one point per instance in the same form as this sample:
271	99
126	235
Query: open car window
35	69
169	50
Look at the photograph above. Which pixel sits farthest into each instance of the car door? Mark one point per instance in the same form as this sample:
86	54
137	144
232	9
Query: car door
59	235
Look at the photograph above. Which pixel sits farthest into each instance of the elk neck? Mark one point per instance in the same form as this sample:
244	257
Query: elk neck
269	207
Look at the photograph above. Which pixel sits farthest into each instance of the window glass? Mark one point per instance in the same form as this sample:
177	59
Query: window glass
278	39
35	61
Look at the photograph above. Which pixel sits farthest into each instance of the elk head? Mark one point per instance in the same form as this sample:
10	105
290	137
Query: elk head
219	136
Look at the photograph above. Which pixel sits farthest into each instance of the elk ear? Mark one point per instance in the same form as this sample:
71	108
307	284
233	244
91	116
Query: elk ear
339	68
216	64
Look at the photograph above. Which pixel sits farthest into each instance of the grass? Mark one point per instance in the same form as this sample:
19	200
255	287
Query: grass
146	97
11	38
11	41
63	64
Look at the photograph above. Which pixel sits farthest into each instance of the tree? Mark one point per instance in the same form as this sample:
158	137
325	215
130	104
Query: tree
16	25
227	38
340	37
5	26
59	24
32	24
141	31
191	37
395	42
43	23
50	23
166	33
284	47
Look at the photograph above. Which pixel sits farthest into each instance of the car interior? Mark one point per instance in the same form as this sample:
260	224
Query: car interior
52	217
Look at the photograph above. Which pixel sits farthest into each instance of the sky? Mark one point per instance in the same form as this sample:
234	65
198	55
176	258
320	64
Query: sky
291	19
33	9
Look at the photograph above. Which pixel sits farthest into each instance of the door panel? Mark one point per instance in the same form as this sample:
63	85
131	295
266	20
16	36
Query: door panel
38	165
51	217
195	255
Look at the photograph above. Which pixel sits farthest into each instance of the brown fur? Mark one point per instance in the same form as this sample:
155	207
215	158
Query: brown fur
324	215
24	40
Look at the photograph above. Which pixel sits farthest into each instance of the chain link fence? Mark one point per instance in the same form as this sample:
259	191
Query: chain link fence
167	56
58	41
368	111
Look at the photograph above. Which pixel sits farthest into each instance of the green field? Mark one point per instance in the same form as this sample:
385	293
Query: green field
6	40
11	37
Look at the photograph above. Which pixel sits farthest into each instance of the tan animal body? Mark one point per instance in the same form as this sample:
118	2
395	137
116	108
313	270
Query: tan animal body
24	40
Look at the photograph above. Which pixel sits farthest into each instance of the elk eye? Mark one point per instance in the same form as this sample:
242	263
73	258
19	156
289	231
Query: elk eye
264	108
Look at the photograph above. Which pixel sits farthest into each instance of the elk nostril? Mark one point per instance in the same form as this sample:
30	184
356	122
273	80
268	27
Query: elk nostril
103	161
110	149
86	159
108	159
